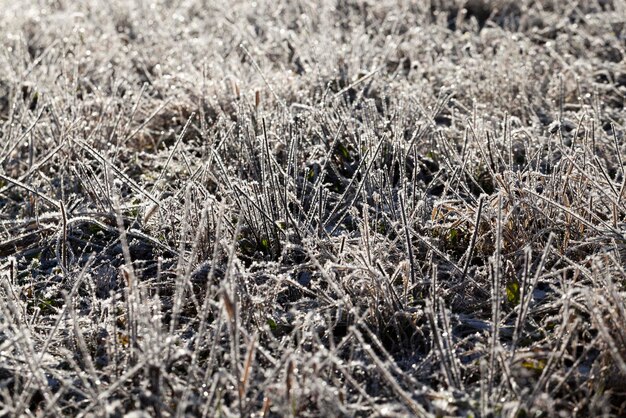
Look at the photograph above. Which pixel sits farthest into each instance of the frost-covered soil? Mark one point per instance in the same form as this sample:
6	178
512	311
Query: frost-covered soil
313	208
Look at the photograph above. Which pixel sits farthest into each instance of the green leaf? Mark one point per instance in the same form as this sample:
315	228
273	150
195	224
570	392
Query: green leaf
94	228
454	236
344	151
272	324
513	292
47	306
532	364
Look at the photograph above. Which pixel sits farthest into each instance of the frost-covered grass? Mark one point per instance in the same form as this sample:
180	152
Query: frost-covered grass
313	208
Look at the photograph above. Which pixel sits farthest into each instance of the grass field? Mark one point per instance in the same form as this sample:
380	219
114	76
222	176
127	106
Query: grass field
313	208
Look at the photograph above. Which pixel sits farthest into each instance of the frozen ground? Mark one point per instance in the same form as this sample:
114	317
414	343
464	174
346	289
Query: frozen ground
313	208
